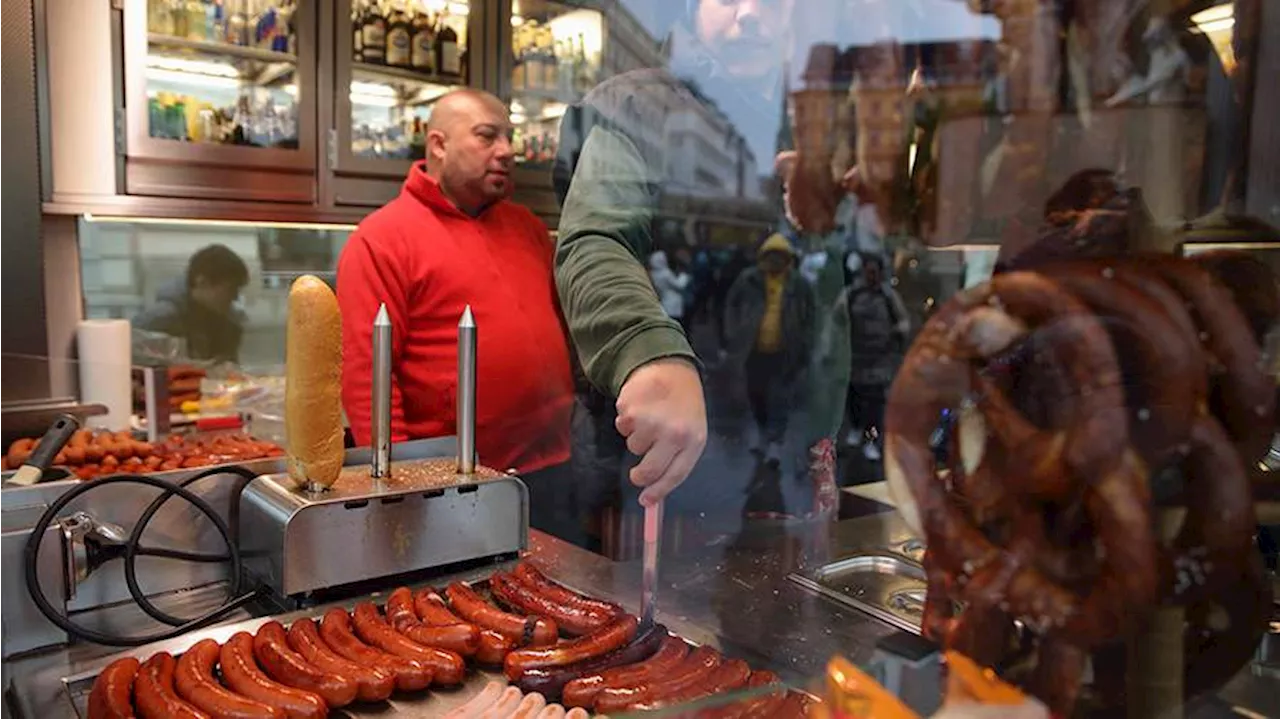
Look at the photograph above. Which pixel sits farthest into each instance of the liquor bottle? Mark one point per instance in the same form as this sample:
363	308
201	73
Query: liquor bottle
550	63
195	20
159	19
423	44
238	22
399	35
583	76
357	34
286	39
519	56
374	29
448	59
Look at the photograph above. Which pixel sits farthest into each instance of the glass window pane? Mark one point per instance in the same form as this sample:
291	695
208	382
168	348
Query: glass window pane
223	72
405	55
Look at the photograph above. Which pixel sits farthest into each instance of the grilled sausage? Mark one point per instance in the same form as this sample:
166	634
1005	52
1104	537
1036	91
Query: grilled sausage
153	691
695	668
527	574
195	683
110	696
461	638
241	675
582	692
726	677
576	620
448	668
335	630
553	682
283	664
534	631
613	636
761	707
432	609
375	684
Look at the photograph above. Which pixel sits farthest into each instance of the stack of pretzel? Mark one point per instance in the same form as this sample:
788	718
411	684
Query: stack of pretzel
428	638
1084	389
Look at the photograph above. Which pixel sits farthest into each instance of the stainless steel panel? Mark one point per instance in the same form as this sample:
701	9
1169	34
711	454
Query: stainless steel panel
423	516
25	627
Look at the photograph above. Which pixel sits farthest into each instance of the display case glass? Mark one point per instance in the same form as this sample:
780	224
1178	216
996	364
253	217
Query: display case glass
403	56
223	72
555	58
221	82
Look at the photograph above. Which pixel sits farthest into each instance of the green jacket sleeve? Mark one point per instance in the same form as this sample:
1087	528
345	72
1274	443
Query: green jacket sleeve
613	314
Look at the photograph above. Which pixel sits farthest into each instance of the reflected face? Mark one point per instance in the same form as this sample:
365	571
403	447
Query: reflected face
215	295
747	35
476	155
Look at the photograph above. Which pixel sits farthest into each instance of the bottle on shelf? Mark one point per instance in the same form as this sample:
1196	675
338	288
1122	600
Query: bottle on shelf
547	59
374	40
422	55
399	37
286	37
520	57
215	21
448	54
584	77
357	33
177	18
159	19
195	20
238	22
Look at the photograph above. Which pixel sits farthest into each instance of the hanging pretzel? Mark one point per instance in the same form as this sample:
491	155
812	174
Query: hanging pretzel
972	327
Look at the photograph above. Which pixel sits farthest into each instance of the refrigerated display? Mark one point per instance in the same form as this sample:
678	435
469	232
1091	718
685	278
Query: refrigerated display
555	60
404	55
222	72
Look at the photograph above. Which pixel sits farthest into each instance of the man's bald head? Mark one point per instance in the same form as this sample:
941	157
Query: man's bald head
469	148
461	105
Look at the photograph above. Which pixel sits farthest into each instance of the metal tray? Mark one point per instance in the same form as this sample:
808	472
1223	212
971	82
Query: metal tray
887	583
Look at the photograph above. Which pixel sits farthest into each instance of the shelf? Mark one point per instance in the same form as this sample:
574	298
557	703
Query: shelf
401	73
220	48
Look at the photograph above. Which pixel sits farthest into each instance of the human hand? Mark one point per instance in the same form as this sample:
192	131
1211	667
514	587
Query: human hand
663	416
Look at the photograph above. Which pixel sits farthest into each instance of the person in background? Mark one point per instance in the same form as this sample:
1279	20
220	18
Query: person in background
200	306
450	240
769	316
878	328
670	286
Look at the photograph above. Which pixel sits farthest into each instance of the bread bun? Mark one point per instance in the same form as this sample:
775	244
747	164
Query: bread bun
313	384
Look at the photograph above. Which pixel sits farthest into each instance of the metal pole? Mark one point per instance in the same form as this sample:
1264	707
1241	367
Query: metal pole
381	395
467	393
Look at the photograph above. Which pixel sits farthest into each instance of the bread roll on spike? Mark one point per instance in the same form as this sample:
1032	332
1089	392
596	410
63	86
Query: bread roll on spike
313	384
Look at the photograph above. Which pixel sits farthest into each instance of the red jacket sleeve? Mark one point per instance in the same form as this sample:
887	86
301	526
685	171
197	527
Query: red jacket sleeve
368	275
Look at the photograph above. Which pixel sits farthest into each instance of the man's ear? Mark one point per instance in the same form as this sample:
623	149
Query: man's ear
435	144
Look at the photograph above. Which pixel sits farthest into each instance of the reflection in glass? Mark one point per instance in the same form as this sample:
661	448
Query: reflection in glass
405	55
223	72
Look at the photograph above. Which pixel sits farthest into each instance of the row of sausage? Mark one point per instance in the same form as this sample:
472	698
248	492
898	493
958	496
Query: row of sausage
565	655
90	454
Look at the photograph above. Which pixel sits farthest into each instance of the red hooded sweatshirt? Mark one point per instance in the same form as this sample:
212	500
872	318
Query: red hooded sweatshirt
427	260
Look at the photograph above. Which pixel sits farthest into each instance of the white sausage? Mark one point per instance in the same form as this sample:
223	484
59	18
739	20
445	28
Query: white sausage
478	703
530	707
505	706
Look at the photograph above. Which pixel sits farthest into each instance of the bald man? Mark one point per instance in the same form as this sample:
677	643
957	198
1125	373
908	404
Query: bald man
452	239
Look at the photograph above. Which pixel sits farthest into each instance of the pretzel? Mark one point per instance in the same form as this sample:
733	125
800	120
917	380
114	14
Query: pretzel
967	330
1242	396
1045	515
